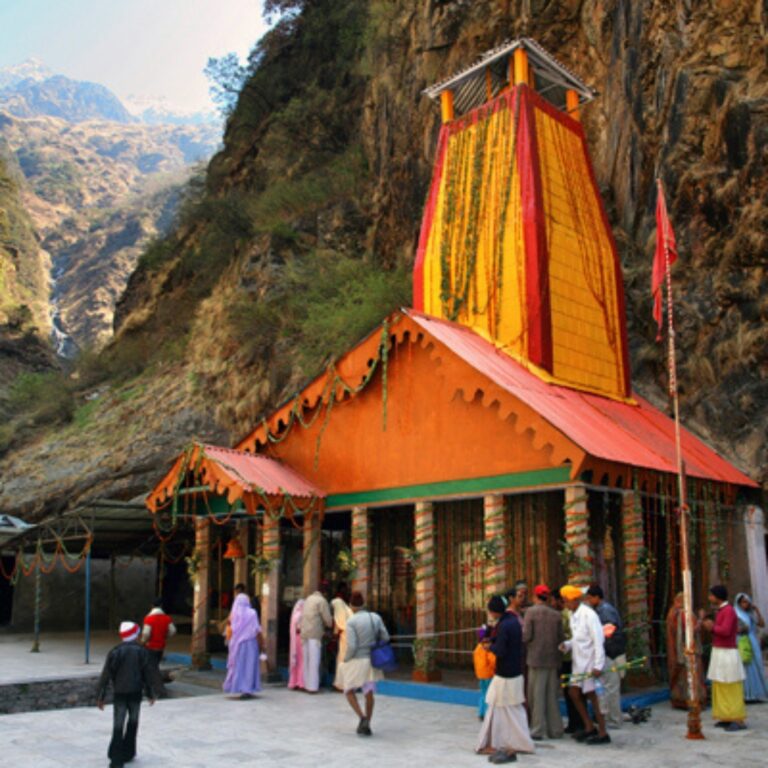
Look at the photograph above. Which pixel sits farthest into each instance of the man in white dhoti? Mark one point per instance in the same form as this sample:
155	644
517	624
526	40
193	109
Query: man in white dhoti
505	732
315	620
364	630
586	646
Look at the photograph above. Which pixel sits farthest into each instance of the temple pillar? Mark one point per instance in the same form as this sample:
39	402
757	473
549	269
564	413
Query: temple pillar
579	563
241	563
635	579
201	593
270	588
520	67
496	524
424	566
311	549
446	106
572	103
361	533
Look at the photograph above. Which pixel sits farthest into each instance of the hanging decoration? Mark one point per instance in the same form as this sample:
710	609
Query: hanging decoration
74	529
335	389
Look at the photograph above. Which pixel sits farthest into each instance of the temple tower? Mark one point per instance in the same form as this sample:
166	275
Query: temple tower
515	242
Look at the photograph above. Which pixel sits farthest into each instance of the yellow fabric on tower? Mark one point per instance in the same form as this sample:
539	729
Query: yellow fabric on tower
475	255
586	323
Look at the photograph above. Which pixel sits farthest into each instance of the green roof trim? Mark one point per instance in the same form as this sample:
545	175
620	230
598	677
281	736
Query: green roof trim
447	488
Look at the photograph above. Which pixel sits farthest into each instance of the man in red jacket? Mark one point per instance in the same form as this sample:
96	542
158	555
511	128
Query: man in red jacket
725	668
158	627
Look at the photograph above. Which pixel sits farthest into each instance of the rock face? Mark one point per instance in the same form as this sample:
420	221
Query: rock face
683	94
97	193
23	266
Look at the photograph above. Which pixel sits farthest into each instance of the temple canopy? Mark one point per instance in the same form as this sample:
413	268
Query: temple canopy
257	481
487	78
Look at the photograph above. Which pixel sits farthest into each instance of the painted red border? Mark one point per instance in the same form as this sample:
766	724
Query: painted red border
539	310
426	223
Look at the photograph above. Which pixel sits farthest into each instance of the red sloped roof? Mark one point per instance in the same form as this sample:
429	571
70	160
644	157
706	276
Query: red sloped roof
635	434
234	474
255	472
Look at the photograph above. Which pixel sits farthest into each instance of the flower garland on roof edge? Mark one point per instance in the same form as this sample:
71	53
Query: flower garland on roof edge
333	385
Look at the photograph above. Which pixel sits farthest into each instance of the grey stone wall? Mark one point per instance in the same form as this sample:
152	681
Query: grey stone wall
48	694
63	596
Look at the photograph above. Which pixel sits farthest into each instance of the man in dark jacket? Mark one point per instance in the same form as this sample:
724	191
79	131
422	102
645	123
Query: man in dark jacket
505	727
615	654
130	670
542	635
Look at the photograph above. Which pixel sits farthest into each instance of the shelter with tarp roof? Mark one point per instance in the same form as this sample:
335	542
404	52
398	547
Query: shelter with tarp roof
491	432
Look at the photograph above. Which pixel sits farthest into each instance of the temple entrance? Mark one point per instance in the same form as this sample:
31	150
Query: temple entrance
606	546
460	590
334	538
392	591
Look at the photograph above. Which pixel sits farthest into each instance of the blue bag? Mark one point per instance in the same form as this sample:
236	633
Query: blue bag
382	653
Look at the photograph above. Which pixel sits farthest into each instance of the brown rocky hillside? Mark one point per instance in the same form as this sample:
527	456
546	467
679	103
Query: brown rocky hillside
97	192
302	235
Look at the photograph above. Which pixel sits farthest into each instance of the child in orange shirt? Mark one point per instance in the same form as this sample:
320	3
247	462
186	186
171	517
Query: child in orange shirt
485	661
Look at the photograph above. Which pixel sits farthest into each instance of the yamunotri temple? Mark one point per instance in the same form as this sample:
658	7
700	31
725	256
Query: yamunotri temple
490	432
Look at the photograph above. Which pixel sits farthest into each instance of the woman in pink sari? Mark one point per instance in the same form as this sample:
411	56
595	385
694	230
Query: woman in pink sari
243	663
296	660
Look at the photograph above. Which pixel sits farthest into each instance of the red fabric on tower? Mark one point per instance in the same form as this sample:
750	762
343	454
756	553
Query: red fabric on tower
665	240
538	307
429	215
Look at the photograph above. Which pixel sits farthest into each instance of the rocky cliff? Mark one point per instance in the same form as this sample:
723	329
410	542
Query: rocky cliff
320	186
97	192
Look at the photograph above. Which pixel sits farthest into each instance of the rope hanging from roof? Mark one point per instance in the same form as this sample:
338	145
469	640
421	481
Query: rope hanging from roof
335	389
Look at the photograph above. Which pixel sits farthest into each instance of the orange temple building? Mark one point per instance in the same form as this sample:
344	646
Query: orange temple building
488	434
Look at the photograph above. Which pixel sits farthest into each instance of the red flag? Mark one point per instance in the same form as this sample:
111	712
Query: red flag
666	251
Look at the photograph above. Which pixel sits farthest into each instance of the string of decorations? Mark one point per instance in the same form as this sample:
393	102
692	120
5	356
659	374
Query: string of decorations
335	388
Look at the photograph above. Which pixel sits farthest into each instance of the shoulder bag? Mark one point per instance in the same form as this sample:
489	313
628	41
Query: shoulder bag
382	653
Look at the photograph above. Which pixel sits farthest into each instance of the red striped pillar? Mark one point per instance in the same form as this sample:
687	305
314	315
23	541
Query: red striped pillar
635	580
579	561
496	524
200	607
424	567
360	533
270	551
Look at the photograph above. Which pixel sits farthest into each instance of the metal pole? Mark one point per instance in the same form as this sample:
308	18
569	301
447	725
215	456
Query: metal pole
694	708
38	589
88	606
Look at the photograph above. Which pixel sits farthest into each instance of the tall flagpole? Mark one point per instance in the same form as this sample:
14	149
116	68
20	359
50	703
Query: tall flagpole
694	707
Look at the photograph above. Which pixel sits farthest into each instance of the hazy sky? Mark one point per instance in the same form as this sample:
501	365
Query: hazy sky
147	48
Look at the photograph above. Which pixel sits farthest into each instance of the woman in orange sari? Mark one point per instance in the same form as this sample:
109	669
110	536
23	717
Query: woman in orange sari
678	675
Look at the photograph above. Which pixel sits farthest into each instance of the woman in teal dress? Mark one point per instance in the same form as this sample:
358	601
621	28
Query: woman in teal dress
755	686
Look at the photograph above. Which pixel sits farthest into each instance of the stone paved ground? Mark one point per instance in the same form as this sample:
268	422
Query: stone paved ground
61	655
286	728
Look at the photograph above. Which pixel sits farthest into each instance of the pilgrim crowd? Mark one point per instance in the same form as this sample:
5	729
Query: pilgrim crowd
569	640
576	636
